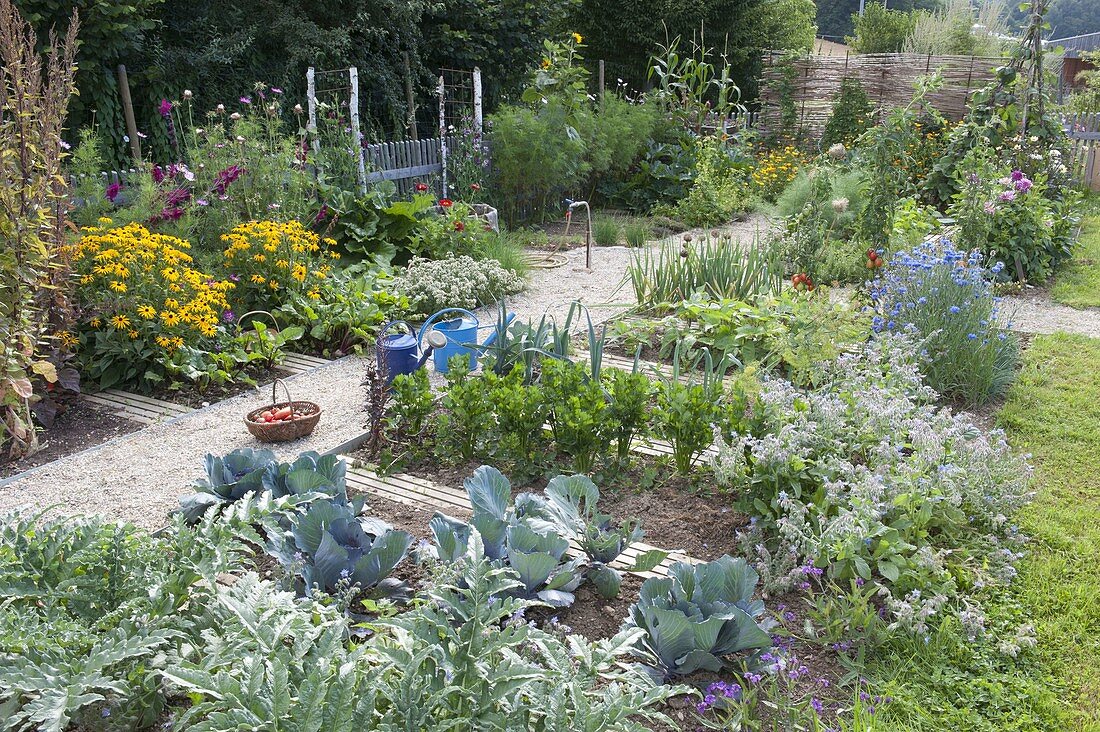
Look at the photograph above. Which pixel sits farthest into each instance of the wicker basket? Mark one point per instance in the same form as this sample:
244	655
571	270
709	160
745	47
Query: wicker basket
308	415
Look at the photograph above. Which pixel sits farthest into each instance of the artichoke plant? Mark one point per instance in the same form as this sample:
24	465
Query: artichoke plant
699	615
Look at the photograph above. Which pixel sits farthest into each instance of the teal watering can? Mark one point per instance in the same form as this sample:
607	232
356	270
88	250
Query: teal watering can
460	334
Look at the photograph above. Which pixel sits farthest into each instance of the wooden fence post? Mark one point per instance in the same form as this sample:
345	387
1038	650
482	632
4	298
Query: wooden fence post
479	120
128	113
601	81
353	78
311	100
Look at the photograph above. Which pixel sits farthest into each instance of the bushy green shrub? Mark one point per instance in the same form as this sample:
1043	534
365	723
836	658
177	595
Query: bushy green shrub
636	231
1015	219
852	115
606	231
535	159
881	30
844	185
720	191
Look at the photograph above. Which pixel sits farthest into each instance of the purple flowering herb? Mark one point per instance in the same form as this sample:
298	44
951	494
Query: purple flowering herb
817	705
1023	185
1016	175
165	108
246	100
228	316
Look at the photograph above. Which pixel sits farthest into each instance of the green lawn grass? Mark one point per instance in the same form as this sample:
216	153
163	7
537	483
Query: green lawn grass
943	682
1077	284
1053	412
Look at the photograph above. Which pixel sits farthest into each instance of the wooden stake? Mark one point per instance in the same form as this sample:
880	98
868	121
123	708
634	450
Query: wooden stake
128	113
410	97
353	78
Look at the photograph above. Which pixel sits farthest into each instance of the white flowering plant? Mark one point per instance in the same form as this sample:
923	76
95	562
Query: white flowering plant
866	480
455	282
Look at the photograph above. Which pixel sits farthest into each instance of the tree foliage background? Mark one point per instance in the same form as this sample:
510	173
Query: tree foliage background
834	17
625	33
218	49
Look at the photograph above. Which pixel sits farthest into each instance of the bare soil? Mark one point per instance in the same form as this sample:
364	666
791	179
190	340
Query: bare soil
189	396
79	427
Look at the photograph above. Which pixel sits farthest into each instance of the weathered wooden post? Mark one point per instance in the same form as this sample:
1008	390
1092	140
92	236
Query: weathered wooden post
311	100
353	78
128	113
479	120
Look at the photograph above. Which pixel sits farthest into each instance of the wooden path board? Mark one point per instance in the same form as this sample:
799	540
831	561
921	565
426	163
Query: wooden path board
297	363
424	494
147	410
137	407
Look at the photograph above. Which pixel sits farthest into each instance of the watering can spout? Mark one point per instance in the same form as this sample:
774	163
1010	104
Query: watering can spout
435	340
456	337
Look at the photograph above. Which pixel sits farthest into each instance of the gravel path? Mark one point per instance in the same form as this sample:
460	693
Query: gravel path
1036	313
140	477
604	290
1031	312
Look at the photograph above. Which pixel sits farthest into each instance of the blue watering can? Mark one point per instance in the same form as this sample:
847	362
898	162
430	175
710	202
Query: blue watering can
397	352
460	335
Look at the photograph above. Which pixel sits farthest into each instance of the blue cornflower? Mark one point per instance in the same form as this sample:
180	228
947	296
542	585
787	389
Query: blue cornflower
972	336
953	309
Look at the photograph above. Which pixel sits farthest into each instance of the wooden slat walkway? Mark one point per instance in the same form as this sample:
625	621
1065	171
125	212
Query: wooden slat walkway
147	410
137	407
424	494
297	363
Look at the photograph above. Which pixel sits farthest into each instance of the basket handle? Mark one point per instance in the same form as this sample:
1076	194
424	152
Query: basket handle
274	322
274	387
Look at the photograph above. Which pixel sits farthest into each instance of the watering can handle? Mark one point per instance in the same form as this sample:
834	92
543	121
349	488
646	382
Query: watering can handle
424	328
392	323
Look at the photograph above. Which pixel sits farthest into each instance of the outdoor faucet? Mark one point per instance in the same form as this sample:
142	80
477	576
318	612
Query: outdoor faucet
571	204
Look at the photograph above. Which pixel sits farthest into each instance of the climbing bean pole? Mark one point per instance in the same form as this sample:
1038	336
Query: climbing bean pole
34	96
